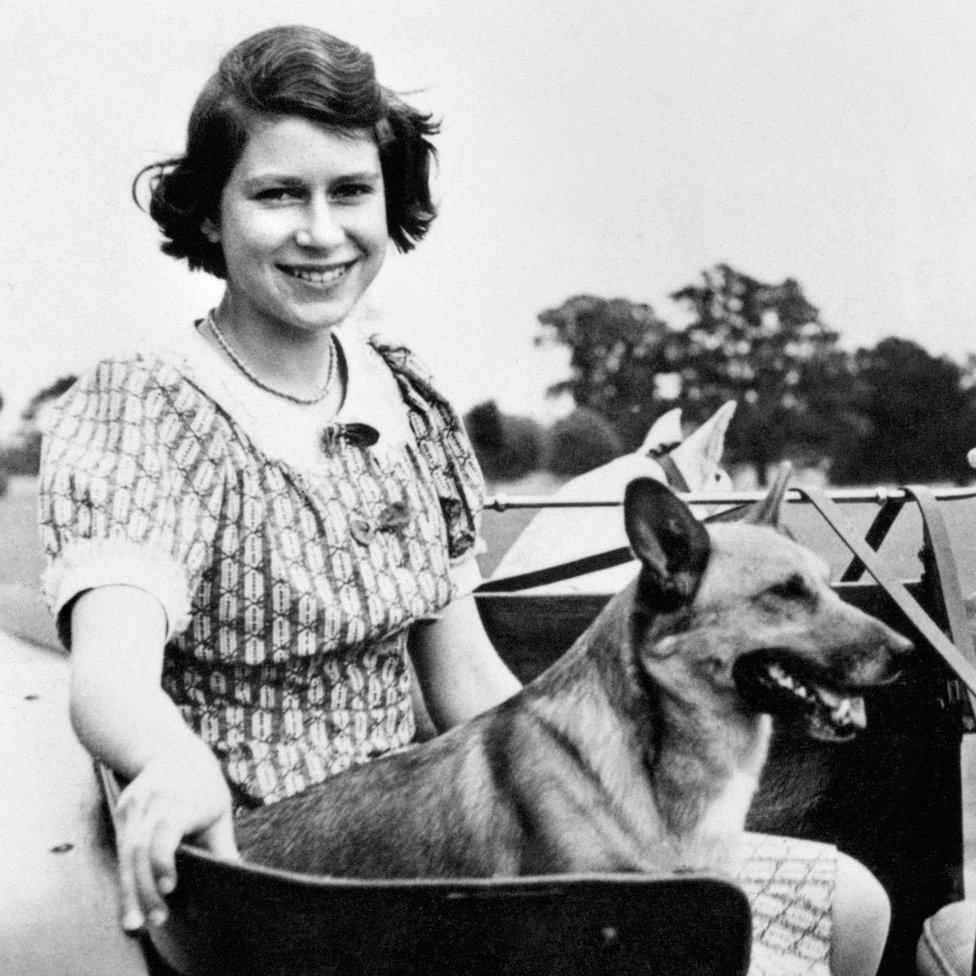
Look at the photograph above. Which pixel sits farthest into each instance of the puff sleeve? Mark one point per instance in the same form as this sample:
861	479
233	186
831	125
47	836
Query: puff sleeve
130	488
445	448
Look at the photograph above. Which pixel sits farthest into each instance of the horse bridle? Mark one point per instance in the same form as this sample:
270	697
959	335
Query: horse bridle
601	560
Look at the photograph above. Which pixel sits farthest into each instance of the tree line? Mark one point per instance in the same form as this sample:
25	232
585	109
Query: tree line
20	452
893	413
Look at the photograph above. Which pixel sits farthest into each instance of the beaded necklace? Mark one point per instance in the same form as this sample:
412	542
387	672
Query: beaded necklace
257	381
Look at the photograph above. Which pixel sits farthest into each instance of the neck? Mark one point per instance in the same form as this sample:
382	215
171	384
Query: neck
705	771
295	361
638	729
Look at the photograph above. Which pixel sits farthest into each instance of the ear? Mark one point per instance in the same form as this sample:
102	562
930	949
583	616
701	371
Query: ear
667	538
210	230
769	510
665	430
699	455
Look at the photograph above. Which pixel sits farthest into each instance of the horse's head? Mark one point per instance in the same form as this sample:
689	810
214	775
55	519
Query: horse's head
697	458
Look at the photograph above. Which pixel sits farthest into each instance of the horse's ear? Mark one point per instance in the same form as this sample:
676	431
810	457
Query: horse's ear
699	455
670	542
769	510
665	430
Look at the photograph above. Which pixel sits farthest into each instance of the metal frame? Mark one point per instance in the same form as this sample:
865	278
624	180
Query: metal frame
878	496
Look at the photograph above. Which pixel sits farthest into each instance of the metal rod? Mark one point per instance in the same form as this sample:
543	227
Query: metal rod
877	496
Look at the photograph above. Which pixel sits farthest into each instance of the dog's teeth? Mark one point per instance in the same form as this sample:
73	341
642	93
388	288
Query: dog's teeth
780	676
842	712
850	711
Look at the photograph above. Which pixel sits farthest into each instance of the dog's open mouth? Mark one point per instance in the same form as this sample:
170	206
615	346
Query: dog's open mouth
777	683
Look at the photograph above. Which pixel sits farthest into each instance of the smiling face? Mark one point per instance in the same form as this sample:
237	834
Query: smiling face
302	225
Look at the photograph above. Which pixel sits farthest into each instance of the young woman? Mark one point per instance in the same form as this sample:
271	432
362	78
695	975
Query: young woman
247	534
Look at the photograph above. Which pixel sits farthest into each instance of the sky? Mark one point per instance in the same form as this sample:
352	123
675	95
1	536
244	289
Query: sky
615	149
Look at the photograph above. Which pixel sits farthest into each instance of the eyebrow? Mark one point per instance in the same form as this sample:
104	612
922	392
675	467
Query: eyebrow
262	179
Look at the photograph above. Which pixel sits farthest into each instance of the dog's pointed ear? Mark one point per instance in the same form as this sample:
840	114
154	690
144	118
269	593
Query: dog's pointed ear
769	510
670	542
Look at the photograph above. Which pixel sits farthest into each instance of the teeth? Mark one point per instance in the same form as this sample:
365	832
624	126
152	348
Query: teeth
842	712
827	709
315	276
785	680
850	711
780	676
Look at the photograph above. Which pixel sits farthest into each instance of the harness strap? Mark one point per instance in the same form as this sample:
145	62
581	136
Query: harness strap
588	564
676	480
559	572
575	567
895	589
937	535
939	547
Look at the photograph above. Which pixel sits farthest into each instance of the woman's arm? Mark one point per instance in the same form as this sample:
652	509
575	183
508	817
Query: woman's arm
460	673
122	716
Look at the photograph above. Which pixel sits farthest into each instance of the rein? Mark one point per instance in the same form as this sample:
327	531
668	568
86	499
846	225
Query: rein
588	564
958	651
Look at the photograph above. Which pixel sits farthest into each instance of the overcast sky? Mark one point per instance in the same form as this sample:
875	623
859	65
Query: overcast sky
610	148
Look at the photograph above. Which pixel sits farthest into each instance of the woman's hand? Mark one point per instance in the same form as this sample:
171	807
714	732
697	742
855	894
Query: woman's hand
121	715
174	796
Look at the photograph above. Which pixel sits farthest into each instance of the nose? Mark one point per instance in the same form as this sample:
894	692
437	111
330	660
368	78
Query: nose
319	226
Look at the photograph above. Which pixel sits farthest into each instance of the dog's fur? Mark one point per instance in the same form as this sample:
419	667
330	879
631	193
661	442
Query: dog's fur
634	752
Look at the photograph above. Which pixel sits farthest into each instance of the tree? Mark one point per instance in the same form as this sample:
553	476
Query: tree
919	417
581	441
764	346
21	453
507	446
618	348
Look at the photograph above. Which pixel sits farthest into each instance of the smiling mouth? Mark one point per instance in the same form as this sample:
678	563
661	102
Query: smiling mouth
779	684
317	276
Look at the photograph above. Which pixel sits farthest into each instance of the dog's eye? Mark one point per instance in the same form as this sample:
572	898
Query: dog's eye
793	588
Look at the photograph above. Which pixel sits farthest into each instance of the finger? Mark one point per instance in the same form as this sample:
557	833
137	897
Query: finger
150	897
132	916
162	856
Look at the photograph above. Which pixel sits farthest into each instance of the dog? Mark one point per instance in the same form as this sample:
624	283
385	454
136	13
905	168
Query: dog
689	464
640	749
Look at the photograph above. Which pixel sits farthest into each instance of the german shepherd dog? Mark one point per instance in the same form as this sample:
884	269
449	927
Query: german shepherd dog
640	749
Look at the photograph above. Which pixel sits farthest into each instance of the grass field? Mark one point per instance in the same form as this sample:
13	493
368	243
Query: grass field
22	611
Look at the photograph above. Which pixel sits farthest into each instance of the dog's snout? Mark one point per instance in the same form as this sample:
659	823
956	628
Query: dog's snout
897	643
903	645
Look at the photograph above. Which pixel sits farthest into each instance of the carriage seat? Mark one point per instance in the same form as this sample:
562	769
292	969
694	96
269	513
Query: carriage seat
948	941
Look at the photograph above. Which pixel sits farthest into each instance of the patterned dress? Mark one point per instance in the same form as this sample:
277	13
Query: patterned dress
291	567
289	582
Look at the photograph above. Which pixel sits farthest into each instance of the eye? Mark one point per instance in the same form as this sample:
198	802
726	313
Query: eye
274	194
353	190
792	588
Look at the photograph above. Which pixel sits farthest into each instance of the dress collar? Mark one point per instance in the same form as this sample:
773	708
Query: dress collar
292	432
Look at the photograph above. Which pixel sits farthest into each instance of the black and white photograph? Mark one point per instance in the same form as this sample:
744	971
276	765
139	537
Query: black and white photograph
488	489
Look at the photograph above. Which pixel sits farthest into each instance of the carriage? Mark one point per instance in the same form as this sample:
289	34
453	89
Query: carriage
896	798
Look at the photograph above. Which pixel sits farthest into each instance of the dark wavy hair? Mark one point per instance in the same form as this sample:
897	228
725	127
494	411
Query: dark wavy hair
288	71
